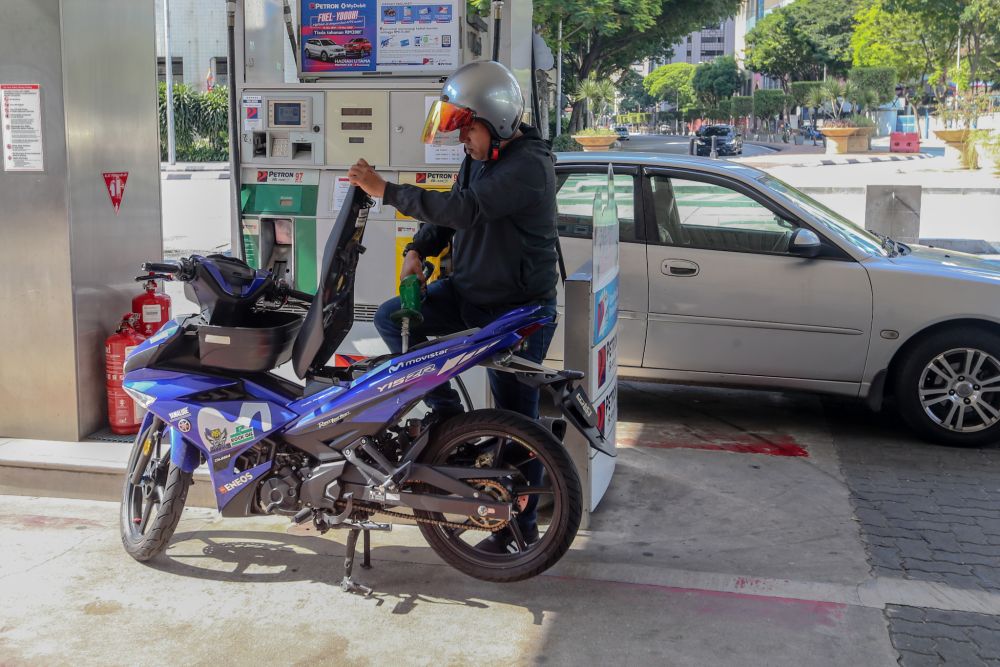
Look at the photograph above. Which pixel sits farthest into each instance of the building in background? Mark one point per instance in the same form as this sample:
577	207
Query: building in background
707	44
197	43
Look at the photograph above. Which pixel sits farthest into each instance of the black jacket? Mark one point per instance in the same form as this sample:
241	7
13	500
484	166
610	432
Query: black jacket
501	220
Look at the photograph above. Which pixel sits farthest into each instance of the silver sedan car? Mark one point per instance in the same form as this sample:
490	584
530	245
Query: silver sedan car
731	277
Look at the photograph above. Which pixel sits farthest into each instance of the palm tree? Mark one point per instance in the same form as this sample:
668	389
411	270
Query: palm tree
835	93
597	94
816	99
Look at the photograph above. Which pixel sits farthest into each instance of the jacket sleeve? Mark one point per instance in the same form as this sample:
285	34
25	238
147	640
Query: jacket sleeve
494	196
430	239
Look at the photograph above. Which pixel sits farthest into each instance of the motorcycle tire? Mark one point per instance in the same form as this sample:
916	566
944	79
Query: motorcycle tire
531	441
151	510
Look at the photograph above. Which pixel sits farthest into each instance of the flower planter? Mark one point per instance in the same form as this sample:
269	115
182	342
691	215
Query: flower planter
595	143
954	146
861	140
838	139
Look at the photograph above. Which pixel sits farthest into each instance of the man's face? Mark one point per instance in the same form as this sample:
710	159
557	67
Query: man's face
476	138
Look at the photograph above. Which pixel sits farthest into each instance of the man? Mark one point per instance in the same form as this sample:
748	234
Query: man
500	219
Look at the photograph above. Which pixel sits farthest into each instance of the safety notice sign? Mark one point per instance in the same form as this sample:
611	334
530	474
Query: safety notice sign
115	182
21	116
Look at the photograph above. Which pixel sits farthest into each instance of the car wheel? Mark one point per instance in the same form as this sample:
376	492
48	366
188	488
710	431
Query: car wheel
324	56
948	388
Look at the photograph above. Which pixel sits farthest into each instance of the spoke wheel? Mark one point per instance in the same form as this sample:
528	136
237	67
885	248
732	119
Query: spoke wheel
542	480
151	506
949	388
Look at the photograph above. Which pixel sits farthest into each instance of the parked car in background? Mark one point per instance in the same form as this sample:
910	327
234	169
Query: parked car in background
728	141
622	133
359	47
322	48
730	277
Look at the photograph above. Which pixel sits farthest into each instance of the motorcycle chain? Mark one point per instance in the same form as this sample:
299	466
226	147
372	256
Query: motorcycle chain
375	509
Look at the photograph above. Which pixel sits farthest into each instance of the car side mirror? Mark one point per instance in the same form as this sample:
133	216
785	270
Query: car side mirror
805	243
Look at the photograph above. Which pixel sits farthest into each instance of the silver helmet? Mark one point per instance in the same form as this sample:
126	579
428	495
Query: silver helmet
482	90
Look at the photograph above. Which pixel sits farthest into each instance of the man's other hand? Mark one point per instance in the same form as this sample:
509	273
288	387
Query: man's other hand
363	175
412	265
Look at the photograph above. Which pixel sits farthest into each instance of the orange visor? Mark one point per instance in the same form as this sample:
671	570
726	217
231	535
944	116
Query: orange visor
445	117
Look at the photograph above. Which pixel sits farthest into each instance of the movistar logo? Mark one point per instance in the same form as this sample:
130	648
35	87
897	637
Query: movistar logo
417	360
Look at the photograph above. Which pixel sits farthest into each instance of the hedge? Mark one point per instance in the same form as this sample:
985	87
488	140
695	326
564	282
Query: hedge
741	106
800	91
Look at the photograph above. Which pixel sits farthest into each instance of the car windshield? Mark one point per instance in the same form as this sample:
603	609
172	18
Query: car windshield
327	42
857	236
715	131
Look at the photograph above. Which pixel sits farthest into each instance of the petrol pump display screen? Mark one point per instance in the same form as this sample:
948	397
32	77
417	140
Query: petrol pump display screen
286	114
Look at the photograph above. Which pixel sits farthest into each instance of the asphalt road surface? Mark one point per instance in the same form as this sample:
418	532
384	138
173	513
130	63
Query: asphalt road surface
663	143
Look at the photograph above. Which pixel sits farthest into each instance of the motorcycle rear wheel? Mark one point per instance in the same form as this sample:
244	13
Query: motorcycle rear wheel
504	439
151	509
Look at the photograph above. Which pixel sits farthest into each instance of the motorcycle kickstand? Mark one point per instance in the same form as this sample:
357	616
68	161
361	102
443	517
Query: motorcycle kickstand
366	561
347	584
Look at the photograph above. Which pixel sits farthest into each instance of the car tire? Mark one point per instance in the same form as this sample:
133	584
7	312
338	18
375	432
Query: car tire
948	388
324	56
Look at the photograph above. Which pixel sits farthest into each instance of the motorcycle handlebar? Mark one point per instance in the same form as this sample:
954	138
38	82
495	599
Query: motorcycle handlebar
161	267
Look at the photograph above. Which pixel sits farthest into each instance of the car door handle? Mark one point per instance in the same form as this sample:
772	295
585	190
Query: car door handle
680	268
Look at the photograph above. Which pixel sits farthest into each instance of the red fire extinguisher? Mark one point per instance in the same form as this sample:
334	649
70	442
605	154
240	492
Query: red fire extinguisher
124	415
153	309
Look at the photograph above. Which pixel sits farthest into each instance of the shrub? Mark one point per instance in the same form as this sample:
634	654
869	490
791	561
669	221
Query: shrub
564	143
741	106
201	123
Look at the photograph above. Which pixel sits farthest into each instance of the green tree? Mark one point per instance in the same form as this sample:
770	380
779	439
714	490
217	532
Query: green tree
827	25
980	20
673	83
605	37
633	94
716	81
778	46
741	106
768	103
883	38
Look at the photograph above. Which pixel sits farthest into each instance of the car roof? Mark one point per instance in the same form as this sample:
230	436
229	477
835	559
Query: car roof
665	160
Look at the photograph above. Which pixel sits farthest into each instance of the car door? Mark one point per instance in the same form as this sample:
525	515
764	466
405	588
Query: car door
727	296
575	200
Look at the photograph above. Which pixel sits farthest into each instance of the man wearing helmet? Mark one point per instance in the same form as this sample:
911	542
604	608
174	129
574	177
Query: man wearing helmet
500	219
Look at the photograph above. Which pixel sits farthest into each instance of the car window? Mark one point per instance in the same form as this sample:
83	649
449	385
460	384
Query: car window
695	214
575	202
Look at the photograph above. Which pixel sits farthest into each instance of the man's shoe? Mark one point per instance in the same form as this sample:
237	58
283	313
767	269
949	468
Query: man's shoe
502	541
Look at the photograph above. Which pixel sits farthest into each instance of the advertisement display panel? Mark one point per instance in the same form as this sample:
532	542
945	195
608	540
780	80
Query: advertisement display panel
372	36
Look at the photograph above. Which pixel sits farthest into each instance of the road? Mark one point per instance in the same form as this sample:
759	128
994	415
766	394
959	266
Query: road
663	143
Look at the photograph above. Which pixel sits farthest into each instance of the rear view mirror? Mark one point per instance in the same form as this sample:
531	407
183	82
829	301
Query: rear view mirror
805	243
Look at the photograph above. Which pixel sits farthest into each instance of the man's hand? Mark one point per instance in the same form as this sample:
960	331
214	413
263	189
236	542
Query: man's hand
363	175
412	265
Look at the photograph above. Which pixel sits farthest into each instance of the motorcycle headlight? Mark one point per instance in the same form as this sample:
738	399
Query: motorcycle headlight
144	400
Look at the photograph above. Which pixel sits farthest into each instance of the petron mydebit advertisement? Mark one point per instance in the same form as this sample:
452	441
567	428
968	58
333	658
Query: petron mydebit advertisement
377	36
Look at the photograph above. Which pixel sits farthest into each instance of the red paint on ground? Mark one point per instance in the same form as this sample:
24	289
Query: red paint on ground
40	521
737	443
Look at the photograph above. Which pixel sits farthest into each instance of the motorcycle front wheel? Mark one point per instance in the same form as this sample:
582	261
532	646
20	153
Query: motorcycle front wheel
543	482
154	494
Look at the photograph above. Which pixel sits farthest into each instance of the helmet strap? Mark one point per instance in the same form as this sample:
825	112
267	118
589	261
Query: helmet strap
494	149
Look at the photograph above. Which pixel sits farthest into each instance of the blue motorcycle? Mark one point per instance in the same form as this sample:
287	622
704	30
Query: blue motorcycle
343	449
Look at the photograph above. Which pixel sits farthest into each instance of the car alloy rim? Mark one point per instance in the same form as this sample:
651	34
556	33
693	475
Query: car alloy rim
960	390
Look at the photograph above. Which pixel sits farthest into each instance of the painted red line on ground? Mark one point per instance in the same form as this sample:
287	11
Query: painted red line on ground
775	446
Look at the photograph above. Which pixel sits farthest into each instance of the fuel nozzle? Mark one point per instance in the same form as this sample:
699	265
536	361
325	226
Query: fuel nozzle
410	293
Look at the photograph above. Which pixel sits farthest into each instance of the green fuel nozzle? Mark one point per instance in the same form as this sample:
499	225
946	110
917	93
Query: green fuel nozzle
410	293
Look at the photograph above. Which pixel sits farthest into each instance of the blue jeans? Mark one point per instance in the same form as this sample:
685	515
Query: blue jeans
446	313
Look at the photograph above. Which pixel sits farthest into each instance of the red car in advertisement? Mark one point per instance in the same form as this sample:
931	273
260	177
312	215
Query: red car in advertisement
359	47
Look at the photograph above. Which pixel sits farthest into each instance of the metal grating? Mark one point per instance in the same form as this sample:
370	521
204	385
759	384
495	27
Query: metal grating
105	435
364	312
